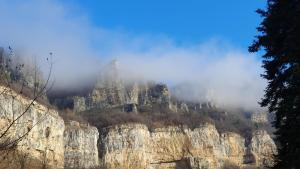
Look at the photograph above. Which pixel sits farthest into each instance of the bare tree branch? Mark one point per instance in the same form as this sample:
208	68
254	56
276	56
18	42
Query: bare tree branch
6	142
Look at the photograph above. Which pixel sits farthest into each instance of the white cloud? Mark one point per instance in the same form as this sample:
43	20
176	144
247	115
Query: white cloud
229	76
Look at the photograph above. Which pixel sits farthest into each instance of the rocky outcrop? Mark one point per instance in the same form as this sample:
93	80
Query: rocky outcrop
111	90
259	117
263	148
125	146
119	94
79	104
134	146
80	146
43	145
45	140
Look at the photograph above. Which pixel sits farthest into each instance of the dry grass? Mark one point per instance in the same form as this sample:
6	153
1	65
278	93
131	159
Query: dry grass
156	117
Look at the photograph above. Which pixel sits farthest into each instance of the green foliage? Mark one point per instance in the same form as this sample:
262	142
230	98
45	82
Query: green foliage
280	38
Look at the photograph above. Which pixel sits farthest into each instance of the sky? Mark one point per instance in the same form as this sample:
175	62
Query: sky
185	21
201	44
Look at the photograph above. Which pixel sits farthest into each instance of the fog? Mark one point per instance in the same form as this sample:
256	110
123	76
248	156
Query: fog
206	72
210	71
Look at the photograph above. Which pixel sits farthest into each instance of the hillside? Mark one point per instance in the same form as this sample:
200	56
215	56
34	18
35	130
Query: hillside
114	99
137	124
69	144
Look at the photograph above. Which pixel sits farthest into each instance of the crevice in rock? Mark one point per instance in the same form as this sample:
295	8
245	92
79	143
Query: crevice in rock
165	162
177	164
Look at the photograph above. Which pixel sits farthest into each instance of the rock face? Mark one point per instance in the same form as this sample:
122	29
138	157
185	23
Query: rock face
119	94
263	147
43	146
50	143
125	146
79	104
111	90
134	146
80	146
57	145
114	91
260	117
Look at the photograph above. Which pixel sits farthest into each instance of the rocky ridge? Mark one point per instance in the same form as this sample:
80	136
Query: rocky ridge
74	145
113	90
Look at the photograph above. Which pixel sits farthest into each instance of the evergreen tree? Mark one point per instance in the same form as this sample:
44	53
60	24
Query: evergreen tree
280	38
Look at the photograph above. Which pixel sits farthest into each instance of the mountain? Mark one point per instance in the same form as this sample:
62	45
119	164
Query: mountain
113	90
69	144
124	124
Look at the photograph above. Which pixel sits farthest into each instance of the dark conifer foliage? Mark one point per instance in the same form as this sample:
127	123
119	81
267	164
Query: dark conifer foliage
280	39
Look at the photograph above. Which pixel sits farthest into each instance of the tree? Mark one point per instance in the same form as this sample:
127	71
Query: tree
14	84
280	38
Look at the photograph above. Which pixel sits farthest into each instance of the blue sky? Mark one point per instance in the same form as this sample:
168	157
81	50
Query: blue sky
189	21
200	42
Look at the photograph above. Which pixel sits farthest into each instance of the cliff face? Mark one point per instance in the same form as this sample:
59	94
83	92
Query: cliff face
128	146
117	93
50	143
133	146
259	117
80	146
125	146
111	90
43	146
263	147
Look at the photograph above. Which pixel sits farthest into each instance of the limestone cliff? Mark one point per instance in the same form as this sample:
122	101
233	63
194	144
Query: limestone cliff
263	147
43	145
117	93
49	143
111	90
259	117
80	146
55	144
134	146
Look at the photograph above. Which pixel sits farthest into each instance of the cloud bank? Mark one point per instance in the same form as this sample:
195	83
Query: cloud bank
207	72
213	70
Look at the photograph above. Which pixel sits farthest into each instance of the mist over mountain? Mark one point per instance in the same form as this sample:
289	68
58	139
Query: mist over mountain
213	70
131	84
